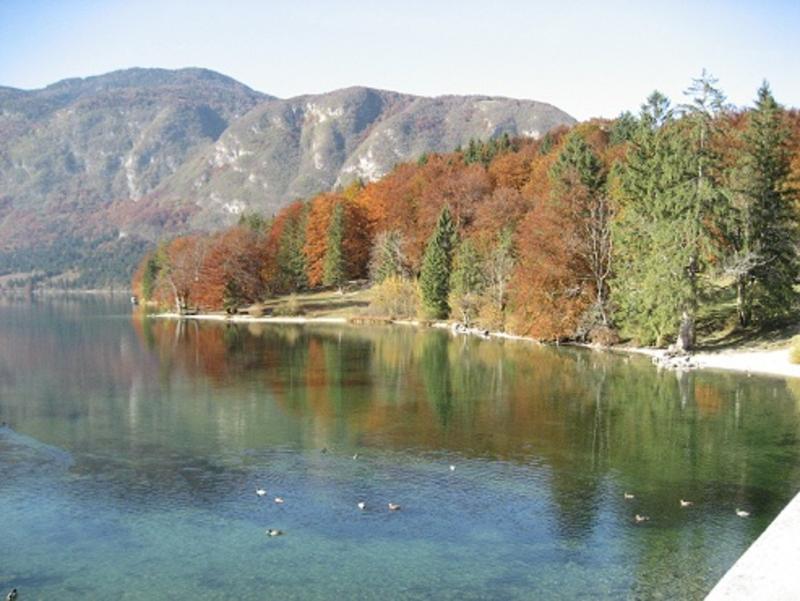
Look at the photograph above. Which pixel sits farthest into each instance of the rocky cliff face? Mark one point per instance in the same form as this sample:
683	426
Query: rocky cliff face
92	170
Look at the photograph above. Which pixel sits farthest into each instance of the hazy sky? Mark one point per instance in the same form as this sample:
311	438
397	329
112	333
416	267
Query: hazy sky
590	59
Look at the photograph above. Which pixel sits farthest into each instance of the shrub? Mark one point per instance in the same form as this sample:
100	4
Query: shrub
794	350
491	317
291	308
395	297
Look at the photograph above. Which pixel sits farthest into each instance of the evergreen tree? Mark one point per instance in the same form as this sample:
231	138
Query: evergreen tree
334	267
290	257
669	197
466	281
623	128
648	278
150	275
765	229
436	264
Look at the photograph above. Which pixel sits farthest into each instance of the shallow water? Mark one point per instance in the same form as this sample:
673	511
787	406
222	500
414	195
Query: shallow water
135	447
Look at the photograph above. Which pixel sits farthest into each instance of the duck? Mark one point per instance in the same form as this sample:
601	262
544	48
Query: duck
274	532
355	456
394	507
452	468
362	506
279	500
742	513
641	518
628	496
685	503
12	595
260	492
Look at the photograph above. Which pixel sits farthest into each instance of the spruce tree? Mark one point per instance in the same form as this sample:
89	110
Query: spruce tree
467	281
434	278
650	256
334	267
766	230
290	256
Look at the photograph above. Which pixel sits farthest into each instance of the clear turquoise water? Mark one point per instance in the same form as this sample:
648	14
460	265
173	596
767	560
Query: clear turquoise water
135	447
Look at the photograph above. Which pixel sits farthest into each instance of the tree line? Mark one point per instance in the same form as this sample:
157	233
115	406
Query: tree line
648	227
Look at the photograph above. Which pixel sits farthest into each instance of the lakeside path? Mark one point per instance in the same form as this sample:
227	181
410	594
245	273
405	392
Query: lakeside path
773	362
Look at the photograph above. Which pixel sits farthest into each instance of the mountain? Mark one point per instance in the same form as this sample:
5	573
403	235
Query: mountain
94	170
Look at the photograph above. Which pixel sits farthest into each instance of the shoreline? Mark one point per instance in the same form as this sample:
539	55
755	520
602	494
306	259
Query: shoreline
763	362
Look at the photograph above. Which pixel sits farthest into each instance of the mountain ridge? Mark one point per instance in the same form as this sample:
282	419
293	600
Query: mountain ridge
105	165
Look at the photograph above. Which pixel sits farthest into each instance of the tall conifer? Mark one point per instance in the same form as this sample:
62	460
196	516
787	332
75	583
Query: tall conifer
434	277
334	267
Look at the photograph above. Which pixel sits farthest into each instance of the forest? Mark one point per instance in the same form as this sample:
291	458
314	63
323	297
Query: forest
651	228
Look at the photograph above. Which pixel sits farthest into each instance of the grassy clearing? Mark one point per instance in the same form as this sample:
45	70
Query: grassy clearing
321	303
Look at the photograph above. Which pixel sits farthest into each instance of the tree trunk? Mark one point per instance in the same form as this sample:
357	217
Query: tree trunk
685	341
741	304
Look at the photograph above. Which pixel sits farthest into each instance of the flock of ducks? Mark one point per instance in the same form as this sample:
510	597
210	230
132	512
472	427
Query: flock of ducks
638	518
362	505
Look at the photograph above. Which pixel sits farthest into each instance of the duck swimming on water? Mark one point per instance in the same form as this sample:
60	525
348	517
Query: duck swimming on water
260	492
12	596
628	496
685	503
394	507
641	518
742	513
274	532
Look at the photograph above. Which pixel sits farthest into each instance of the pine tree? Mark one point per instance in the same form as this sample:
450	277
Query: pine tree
436	264
334	268
765	232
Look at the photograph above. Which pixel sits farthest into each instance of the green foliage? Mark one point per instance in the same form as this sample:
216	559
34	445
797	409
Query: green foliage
436	264
231	297
291	308
291	258
150	276
669	203
334	268
254	221
764	230
483	152
387	258
467	281
623	129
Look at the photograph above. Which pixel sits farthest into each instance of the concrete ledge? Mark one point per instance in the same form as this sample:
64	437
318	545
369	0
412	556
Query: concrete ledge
770	568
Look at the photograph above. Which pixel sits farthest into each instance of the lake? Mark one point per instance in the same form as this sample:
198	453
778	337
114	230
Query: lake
135	446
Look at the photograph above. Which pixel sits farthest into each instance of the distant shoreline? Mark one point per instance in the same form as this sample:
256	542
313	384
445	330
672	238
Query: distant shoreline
763	362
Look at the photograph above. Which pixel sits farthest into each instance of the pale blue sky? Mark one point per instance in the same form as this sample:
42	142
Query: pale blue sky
590	59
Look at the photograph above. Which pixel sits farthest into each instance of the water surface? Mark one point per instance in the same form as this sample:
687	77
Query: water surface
135	447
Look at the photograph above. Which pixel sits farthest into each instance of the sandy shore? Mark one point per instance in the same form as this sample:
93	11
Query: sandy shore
770	362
